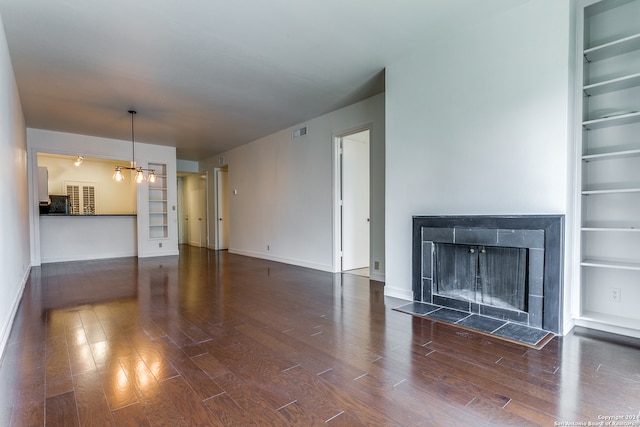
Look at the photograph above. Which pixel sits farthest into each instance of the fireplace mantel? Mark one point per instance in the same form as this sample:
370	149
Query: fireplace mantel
541	233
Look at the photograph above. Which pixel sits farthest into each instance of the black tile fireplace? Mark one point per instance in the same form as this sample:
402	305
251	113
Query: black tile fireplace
508	268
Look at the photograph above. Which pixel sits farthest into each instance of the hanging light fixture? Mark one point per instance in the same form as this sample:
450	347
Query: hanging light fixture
139	177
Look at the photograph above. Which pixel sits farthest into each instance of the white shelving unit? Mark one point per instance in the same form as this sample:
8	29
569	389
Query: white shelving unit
610	166
158	224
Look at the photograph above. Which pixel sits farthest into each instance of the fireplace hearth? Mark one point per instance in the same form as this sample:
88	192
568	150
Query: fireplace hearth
507	268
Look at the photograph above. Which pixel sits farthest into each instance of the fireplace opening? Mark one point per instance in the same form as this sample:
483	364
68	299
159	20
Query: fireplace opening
488	275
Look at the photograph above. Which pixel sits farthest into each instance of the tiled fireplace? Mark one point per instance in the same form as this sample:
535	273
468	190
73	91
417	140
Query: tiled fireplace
507	268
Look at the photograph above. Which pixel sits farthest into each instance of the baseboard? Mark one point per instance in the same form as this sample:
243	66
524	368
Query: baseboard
284	260
159	254
605	327
398	293
87	257
6	329
568	326
378	277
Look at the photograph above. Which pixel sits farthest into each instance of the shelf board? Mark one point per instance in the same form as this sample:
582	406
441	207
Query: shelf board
611	155
616	265
613	85
610	191
628	229
621	119
614	48
610	323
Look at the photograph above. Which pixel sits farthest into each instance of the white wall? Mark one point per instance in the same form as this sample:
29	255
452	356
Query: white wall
479	123
14	223
283	209
45	141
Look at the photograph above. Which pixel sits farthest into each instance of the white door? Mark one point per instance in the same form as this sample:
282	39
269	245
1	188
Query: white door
197	218
222	209
355	201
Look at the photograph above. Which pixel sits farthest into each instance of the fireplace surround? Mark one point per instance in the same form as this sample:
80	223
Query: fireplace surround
465	263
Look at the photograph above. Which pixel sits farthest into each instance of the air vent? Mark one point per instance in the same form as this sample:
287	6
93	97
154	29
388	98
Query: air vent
299	132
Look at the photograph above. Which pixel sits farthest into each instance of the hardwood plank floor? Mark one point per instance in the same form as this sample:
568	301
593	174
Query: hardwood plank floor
211	338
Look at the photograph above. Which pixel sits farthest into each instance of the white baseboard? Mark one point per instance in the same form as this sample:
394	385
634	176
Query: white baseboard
284	260
568	326
6	328
606	327
398	293
157	254
379	277
87	257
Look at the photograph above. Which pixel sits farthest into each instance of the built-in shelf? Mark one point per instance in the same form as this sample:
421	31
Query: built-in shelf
618	265
607	322
158	224
612	229
609	82
617	120
611	191
613	48
620	83
611	155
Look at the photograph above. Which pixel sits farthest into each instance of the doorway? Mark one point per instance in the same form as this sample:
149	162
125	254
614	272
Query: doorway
354	190
222	208
192	209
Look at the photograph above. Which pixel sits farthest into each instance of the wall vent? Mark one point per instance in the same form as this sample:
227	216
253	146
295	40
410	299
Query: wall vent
299	132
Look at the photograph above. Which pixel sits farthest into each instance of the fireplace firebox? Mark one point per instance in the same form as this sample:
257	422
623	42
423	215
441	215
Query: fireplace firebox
502	267
490	275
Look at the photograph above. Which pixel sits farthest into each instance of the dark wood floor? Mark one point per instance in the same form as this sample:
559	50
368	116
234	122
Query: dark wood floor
210	338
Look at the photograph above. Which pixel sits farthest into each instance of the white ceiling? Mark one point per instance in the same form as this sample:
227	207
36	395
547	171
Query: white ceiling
209	75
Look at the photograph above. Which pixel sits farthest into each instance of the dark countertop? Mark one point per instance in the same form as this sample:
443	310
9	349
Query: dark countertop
83	215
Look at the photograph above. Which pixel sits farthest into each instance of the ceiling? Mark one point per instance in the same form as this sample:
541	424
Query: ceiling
209	75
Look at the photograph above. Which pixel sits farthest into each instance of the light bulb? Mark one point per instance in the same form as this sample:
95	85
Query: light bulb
117	176
139	176
152	177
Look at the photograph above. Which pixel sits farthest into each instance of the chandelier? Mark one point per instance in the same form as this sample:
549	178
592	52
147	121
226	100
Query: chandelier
139	178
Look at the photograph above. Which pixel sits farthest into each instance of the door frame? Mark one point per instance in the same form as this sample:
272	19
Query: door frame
337	190
183	200
216	209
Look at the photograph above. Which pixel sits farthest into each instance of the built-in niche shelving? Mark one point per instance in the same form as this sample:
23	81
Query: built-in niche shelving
158	224
610	165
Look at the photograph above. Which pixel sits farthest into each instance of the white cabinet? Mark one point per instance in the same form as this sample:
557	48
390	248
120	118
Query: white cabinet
610	164
158	221
43	184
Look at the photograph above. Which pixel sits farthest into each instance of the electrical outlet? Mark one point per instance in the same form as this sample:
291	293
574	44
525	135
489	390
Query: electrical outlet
159	244
614	295
376	265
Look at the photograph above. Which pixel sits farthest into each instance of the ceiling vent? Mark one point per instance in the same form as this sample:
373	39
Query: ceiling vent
299	132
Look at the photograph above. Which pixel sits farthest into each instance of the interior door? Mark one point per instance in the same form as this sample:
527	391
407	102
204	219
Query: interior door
197	224
355	201
222	209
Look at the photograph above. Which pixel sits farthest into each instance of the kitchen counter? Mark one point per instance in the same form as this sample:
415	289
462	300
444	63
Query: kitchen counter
80	237
86	215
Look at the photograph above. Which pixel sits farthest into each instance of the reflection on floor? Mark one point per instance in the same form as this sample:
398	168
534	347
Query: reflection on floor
364	272
210	338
